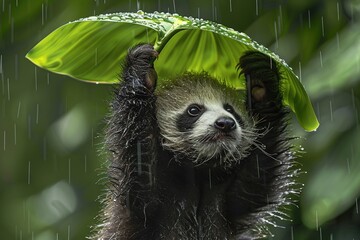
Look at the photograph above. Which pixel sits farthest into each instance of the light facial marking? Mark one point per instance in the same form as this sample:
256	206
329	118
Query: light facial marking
205	136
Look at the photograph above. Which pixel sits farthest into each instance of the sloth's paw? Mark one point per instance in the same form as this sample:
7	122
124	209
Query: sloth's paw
262	72
140	62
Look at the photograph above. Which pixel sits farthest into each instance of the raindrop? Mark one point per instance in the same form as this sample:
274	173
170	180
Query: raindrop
92	18
316	220
138	7
348	165
309	18
12	30
29	172
18	110
320	232
331	236
280	14
321	59
292	232
3	5
338	11
174	5
48	78
115	18
258	166
300	77
257	8
357	206
69	232
276	35
322	26
338	41
331	111
230	6
42	14
198	15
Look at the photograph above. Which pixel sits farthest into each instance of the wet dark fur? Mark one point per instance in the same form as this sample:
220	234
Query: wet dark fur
152	197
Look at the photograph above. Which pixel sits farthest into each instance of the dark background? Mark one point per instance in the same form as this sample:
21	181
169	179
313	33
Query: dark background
51	126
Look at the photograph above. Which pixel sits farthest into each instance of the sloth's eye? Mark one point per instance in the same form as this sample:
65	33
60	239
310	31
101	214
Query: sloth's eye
194	110
229	108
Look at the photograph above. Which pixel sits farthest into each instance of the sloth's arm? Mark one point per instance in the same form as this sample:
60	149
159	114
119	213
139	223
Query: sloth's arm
262	183
132	140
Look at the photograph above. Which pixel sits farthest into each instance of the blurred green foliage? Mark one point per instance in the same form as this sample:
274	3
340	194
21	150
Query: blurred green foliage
51	126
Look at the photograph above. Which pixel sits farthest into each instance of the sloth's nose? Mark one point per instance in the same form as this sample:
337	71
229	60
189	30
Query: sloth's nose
225	124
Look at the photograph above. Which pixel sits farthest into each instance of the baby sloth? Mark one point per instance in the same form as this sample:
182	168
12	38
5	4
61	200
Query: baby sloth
192	159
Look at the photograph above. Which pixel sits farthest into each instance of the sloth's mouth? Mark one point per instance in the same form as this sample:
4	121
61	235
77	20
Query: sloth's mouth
221	136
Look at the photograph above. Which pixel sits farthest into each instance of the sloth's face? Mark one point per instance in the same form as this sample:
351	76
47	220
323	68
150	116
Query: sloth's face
208	131
211	129
204	120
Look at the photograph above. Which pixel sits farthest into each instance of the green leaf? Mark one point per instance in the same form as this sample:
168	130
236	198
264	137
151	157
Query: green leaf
92	49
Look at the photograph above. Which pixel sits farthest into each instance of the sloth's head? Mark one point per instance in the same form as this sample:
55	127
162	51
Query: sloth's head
204	119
